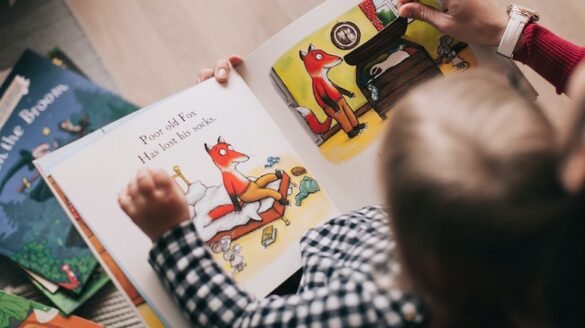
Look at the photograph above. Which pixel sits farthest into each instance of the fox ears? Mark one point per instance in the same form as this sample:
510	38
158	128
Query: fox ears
219	140
303	54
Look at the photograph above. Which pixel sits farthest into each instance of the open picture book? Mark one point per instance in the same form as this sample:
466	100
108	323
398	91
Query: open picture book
291	141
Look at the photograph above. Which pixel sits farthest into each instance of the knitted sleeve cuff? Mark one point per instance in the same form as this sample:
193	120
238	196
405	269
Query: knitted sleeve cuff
552	57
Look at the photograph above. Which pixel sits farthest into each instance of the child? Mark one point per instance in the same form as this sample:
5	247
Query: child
335	290
474	198
477	207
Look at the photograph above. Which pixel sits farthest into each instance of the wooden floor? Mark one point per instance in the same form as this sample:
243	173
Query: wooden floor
154	48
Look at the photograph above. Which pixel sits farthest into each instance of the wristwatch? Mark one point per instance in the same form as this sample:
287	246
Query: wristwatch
519	17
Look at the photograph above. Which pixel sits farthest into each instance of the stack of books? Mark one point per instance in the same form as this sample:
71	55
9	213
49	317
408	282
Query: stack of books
47	102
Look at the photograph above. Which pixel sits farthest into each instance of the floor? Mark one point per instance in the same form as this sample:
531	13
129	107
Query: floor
155	48
42	25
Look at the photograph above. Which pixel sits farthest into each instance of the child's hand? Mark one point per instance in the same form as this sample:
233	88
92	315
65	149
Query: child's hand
221	71
154	202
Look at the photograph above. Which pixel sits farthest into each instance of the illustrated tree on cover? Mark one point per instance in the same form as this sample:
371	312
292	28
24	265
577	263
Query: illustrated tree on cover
37	255
53	229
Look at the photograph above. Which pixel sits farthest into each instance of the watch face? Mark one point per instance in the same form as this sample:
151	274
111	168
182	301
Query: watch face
526	12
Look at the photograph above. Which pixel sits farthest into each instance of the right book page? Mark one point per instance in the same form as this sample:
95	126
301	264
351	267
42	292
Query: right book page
337	73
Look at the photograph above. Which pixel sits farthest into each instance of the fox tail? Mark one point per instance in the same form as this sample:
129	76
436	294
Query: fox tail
316	126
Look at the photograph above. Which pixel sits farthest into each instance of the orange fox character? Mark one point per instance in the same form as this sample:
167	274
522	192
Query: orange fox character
328	94
238	186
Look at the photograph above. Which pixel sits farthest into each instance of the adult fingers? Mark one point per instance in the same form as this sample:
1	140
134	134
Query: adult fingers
425	13
221	70
402	2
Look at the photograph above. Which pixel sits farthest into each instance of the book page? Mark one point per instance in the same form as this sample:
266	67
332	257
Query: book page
331	79
199	137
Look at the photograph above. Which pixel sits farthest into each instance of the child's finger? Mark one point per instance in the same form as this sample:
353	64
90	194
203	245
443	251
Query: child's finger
235	60
135	195
221	70
126	204
145	182
133	190
161	179
205	74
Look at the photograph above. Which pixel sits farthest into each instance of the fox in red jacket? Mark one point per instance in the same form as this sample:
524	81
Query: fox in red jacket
239	187
329	95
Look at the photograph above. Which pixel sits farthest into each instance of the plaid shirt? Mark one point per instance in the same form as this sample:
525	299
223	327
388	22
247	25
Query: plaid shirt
349	275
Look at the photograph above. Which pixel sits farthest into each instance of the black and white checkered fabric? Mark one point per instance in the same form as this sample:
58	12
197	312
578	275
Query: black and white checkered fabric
349	275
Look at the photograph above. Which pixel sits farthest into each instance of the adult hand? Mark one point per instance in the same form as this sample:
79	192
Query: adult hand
473	21
221	70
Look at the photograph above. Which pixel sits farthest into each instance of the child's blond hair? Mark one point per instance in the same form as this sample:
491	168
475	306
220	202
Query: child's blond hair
473	194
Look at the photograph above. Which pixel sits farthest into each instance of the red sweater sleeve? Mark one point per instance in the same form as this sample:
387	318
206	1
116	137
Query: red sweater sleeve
552	57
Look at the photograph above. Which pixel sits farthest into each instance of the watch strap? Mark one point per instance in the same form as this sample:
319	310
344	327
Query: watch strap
512	34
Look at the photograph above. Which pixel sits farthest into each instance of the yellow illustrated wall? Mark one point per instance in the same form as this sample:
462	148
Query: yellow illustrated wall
291	70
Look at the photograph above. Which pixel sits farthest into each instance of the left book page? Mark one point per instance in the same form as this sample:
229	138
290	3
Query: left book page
200	136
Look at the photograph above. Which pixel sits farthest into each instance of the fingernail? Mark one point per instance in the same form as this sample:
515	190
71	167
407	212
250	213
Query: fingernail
221	73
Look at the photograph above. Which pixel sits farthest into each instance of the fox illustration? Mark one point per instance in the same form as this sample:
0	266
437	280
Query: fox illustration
239	187
315	125
329	95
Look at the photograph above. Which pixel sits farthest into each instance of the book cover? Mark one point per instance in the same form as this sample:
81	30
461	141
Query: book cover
45	107
16	311
68	303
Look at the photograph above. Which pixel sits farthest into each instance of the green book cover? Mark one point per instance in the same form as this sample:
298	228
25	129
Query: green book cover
68	303
16	311
44	107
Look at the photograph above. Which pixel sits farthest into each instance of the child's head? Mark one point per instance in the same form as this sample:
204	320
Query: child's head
474	199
